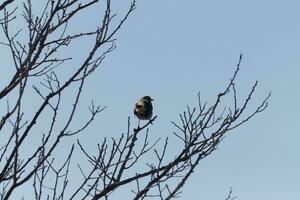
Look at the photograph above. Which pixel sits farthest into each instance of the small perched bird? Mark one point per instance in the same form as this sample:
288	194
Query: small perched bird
143	108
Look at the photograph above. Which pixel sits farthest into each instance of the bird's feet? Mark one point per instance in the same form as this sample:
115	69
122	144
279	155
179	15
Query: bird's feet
137	129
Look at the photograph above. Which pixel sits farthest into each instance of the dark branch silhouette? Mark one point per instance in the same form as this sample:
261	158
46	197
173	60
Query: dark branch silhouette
37	62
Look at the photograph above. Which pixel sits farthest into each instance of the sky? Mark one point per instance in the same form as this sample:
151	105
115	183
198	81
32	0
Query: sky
173	49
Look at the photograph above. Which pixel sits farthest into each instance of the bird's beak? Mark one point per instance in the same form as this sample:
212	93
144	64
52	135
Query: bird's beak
152	99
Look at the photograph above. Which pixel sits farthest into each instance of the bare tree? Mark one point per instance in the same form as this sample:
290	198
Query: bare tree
37	57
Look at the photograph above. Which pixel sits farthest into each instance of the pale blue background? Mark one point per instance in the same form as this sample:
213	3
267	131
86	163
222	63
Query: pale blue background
172	49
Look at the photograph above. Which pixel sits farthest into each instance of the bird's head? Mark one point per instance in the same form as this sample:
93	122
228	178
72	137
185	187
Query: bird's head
147	98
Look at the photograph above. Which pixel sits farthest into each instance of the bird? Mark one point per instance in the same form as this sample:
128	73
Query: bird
143	108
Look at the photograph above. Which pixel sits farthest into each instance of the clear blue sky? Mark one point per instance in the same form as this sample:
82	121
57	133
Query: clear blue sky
172	49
